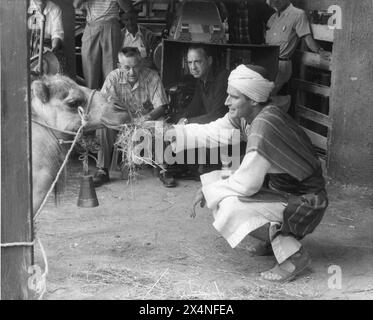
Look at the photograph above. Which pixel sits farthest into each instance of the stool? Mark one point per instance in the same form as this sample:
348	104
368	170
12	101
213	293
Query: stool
114	167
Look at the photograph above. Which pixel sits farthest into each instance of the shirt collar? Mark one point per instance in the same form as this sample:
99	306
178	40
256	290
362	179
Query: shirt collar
138	33
32	7
123	80
210	76
286	11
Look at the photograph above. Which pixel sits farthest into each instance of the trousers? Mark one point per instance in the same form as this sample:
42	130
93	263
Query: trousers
101	42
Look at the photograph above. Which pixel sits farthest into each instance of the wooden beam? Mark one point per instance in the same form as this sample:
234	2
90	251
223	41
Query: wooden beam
317	140
16	191
311	87
322	32
313	115
312	59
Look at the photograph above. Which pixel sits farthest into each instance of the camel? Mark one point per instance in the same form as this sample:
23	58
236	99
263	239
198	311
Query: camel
55	104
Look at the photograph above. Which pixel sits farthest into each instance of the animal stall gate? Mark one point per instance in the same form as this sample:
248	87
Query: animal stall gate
174	66
310	90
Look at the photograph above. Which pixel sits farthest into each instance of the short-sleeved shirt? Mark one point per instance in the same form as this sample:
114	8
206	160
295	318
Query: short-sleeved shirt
147	90
286	29
144	40
135	41
53	22
101	10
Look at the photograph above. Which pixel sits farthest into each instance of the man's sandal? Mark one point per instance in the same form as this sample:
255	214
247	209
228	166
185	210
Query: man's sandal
261	249
299	260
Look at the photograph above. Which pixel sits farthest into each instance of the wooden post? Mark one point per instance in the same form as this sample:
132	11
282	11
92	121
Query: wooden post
16	199
350	155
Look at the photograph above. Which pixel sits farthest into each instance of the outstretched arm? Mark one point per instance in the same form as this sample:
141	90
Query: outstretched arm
220	132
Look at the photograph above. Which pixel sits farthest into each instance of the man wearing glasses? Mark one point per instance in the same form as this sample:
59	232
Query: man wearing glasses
134	89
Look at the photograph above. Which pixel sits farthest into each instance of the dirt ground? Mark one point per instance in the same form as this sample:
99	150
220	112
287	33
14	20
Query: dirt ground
140	243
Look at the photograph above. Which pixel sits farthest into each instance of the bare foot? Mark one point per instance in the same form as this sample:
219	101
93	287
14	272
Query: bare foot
289	269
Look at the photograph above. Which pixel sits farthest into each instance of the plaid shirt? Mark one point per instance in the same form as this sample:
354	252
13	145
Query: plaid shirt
250	19
148	92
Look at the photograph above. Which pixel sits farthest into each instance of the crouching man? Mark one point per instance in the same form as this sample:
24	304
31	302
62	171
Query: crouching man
294	200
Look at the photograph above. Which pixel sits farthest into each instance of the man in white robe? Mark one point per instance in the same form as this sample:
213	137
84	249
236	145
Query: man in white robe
276	147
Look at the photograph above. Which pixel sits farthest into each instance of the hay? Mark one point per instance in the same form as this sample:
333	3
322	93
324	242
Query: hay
127	143
166	284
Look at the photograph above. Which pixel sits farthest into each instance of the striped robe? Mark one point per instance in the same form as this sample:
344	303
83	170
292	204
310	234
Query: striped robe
279	139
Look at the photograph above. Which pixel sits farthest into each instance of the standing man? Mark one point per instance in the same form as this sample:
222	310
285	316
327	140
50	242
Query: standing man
134	35
295	200
101	39
208	100
250	19
134	89
285	28
54	33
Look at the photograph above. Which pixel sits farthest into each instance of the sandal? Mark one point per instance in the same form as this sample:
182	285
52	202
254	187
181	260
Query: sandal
261	249
300	261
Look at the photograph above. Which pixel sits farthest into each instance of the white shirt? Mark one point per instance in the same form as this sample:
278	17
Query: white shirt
135	41
53	22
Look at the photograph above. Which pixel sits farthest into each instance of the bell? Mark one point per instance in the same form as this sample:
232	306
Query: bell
87	194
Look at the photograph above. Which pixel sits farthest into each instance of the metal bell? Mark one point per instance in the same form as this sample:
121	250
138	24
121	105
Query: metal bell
87	194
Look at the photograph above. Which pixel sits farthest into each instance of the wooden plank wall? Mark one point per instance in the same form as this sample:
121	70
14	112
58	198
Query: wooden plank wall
16	199
351	100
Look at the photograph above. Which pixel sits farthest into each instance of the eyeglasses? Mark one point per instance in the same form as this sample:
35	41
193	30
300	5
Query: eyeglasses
127	68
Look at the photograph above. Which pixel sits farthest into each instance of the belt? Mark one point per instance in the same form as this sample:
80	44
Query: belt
102	22
284	59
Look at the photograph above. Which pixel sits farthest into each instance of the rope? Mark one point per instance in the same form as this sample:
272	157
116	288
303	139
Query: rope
59	171
83	117
17	244
72	133
40	285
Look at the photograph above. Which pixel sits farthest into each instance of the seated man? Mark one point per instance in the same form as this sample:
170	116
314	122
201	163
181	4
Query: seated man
132	88
134	35
210	93
54	32
209	96
277	148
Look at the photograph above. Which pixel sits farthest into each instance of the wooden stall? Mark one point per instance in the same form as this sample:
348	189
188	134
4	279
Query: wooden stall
343	127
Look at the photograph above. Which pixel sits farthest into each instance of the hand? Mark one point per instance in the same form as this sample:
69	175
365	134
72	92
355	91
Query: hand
325	55
199	199
147	117
170	135
183	121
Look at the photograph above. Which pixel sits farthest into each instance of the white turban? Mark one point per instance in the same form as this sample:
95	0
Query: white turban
250	83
